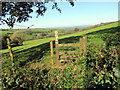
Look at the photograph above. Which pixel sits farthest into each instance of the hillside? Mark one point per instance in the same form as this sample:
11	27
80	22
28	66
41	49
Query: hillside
99	68
34	43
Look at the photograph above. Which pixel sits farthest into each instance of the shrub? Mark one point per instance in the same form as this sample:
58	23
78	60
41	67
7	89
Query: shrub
20	35
111	39
3	40
103	66
16	42
16	78
76	29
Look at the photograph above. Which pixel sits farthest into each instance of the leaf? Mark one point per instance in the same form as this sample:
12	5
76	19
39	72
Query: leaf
72	3
22	85
102	72
118	80
107	81
111	76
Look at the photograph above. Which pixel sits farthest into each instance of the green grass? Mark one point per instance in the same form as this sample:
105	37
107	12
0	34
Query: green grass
5	32
33	30
96	39
33	43
92	30
29	44
45	30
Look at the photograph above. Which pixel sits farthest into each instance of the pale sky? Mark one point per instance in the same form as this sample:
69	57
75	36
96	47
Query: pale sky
83	13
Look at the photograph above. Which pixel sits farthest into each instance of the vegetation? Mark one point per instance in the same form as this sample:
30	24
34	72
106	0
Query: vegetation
99	68
3	40
32	68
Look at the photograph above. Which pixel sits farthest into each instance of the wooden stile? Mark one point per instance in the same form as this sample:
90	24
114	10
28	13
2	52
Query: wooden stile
59	55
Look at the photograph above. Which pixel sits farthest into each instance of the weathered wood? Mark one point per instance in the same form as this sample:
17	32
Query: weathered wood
70	44
10	50
64	60
68	52
56	46
82	51
57	51
51	49
65	57
83	45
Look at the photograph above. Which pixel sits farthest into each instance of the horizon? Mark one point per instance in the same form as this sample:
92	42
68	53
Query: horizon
82	13
70	27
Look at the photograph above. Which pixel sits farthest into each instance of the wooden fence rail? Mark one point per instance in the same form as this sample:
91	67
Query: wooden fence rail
70	44
68	52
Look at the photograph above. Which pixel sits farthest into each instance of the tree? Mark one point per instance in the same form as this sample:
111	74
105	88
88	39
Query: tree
20	35
20	11
3	41
76	29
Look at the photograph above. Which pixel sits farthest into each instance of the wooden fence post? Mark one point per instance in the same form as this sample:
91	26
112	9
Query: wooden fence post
56	46
51	49
10	49
83	45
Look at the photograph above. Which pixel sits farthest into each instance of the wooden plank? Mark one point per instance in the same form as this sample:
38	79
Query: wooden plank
70	44
83	45
51	50
68	52
64	60
68	57
56	46
57	51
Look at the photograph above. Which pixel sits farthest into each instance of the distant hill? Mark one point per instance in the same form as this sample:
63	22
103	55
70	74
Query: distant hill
71	27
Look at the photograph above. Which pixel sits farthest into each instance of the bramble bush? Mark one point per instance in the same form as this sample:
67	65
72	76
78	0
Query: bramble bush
111	39
103	67
99	68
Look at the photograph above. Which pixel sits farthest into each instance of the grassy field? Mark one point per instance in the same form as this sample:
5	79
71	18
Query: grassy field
33	30
45	30
5	32
32	68
33	43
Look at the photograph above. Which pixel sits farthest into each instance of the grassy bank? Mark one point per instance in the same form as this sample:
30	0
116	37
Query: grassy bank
33	43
